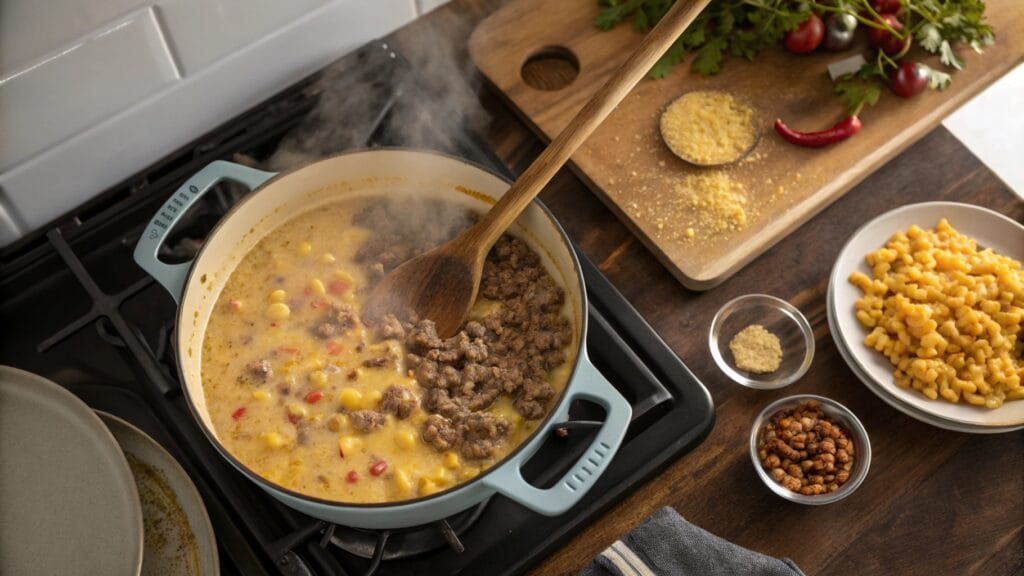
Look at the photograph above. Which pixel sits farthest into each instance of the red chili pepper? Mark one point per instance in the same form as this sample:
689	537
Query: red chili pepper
334	348
841	131
237	414
352	477
379	467
337	287
314	396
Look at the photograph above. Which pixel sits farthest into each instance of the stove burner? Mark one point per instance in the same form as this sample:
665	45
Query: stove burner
407	542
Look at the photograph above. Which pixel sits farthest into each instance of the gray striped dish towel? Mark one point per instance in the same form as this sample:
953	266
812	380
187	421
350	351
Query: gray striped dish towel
667	545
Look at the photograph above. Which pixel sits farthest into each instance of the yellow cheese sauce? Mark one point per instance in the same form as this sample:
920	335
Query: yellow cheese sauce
293	426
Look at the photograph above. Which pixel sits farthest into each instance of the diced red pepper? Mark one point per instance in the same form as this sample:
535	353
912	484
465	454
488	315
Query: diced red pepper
337	287
379	467
237	414
334	348
289	349
314	396
293	418
352	477
318	303
273	324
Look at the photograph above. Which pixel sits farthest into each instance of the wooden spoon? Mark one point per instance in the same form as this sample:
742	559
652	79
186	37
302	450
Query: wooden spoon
442	284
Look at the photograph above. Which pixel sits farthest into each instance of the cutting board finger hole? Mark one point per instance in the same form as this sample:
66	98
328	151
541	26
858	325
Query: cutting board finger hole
551	68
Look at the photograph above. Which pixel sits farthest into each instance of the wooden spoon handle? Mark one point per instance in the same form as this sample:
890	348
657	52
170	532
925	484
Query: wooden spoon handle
532	181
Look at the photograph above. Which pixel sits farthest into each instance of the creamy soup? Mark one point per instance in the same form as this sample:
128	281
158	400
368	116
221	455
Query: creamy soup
307	395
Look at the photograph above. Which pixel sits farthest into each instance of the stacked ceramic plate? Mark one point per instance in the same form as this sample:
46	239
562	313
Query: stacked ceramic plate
991	230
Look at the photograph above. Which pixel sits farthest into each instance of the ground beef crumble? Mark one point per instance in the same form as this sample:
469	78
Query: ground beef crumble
508	353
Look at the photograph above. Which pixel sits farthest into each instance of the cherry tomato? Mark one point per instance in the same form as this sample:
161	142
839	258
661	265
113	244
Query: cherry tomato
886	6
909	79
883	40
806	37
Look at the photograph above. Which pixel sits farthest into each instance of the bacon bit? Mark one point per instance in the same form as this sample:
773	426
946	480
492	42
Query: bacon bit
334	348
337	287
273	324
351	376
352	477
379	467
237	414
314	396
293	418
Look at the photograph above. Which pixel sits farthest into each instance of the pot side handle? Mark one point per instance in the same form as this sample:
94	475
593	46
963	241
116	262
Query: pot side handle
172	276
590	385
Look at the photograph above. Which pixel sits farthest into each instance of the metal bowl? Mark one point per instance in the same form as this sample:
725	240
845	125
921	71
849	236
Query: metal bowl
778	317
836	411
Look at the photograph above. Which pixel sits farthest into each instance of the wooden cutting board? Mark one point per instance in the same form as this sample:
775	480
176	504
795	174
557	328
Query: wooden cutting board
628	166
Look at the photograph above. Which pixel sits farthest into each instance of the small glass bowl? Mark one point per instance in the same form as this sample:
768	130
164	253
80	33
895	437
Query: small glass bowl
778	317
839	413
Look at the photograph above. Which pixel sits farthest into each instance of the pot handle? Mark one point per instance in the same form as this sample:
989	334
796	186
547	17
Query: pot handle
588	384
172	276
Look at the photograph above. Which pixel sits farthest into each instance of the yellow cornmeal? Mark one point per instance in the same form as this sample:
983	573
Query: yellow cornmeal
714	202
756	350
708	127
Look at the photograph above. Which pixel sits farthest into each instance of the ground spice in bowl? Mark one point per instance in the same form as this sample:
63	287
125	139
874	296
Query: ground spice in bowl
708	128
755	349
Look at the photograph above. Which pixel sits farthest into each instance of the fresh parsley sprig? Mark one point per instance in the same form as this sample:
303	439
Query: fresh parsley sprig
742	28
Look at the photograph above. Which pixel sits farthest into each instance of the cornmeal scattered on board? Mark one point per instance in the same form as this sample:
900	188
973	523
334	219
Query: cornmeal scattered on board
714	200
707	127
756	350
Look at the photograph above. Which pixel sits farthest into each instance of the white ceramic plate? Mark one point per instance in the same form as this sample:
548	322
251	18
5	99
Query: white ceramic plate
989	228
68	503
907	409
178	536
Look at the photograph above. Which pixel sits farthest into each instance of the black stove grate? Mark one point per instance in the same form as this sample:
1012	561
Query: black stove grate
79	275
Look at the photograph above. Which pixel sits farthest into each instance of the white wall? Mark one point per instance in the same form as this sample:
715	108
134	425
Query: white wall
92	91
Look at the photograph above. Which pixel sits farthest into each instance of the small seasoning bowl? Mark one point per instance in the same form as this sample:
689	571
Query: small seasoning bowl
778	317
835	411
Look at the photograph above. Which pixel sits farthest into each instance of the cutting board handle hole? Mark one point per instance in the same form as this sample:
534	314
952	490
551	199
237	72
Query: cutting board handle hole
551	68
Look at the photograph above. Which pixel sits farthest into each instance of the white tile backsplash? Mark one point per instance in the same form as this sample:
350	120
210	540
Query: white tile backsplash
139	129
31	29
81	85
203	31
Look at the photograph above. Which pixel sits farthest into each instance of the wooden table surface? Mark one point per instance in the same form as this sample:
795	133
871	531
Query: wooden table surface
934	503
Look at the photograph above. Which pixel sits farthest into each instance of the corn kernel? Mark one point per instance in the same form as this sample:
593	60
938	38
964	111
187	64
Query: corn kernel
469	472
337	423
278	311
349	445
261	395
351	398
318	378
371	399
451	460
278	295
305	248
427	487
439	476
317	287
405	439
298	410
328	258
343	276
402	481
274	440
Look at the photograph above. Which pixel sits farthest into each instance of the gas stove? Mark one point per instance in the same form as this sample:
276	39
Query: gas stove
75	309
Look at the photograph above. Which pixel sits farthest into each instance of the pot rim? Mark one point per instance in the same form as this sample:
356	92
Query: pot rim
544	426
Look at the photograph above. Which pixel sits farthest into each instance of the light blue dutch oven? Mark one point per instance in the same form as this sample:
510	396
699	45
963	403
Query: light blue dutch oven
276	199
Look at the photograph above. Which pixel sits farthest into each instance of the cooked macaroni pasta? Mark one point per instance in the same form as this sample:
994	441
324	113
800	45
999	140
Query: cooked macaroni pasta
946	314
